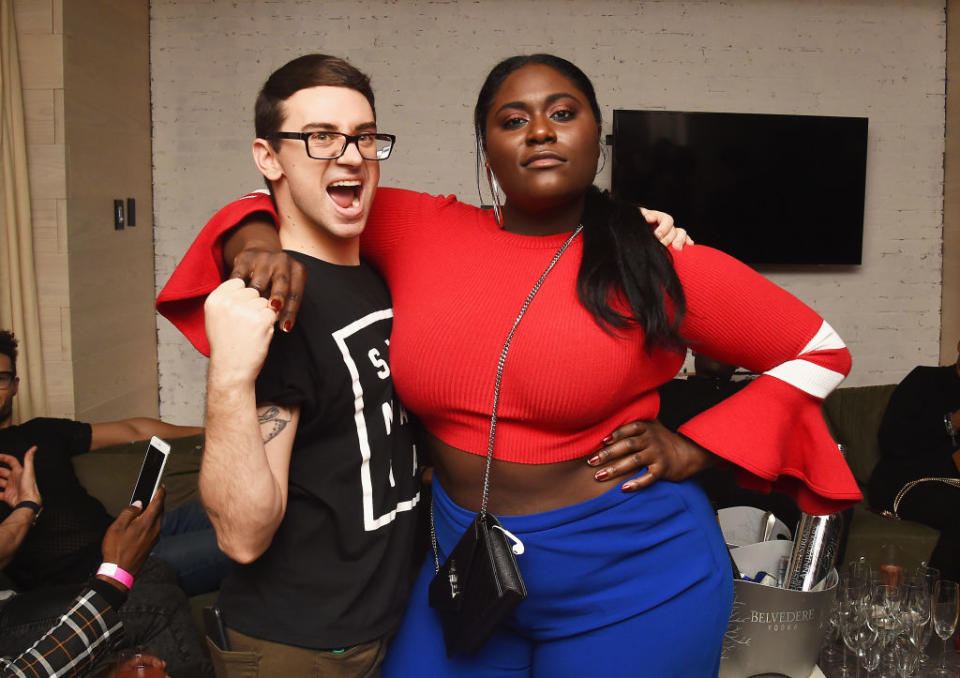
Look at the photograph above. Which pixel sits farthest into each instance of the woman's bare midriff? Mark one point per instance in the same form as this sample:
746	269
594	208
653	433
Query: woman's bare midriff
515	489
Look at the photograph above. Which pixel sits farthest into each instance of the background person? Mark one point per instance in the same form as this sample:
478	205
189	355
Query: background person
91	626
310	473
64	545
920	438
50	553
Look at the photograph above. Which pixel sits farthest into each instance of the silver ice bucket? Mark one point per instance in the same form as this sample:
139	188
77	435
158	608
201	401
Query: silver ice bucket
773	631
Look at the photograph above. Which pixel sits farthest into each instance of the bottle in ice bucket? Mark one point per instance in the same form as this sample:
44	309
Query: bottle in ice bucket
814	551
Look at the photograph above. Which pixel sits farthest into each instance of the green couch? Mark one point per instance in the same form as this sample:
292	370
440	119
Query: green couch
109	474
853	416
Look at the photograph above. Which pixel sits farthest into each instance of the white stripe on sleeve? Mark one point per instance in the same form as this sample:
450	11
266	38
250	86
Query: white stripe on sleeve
825	339
813	379
809	377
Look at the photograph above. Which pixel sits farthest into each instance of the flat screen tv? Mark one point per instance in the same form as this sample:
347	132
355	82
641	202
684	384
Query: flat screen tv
767	189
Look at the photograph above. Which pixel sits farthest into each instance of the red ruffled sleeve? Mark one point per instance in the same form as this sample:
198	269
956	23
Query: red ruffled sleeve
201	269
772	430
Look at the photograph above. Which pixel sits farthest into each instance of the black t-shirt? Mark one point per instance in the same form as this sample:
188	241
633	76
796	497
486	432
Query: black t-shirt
339	569
64	545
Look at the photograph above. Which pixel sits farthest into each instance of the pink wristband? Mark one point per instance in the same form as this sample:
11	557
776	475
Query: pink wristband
114	571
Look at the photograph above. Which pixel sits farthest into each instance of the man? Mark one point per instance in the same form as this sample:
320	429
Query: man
309	473
51	547
920	438
92	624
64	544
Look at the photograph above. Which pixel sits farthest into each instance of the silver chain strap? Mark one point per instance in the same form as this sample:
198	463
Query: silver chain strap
953	482
433	540
496	393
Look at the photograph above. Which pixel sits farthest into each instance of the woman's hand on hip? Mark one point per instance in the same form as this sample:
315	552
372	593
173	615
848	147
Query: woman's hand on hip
648	444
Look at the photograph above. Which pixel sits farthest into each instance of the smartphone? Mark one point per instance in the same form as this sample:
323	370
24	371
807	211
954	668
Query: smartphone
151	471
213	621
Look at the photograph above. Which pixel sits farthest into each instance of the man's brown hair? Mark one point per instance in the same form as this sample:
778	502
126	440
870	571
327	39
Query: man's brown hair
310	70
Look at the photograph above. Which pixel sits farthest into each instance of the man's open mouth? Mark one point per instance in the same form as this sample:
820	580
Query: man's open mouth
345	193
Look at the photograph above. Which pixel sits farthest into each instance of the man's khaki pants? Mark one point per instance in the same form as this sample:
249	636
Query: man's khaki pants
255	658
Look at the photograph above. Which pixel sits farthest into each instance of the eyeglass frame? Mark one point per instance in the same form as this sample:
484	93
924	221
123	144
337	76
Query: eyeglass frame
13	378
348	139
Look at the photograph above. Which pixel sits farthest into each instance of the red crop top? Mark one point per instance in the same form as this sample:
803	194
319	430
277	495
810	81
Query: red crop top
458	282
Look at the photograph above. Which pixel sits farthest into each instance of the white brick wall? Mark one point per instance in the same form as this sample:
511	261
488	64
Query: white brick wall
881	59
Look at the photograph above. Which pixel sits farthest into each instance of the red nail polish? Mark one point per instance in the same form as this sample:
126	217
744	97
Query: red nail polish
276	304
594	460
626	487
287	325
601	474
608	440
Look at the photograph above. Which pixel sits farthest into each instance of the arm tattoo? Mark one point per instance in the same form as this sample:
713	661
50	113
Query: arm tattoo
271	422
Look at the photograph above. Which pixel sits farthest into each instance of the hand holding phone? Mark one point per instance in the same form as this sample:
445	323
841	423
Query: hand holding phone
132	536
151	471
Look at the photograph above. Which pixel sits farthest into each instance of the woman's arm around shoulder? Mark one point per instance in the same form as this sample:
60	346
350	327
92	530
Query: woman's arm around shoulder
202	268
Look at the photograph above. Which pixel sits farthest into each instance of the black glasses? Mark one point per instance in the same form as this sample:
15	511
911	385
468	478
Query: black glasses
331	145
6	379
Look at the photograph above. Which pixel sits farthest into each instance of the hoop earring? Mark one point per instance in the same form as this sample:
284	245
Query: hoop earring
495	194
603	158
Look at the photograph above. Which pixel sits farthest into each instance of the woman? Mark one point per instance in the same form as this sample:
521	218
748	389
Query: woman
604	569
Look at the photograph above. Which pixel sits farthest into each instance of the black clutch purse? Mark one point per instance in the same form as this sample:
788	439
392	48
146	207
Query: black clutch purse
480	585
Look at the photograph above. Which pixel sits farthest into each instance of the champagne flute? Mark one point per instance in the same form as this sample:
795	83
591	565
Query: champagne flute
885	617
833	650
885	611
852	621
891	597
860	570
849	587
945	611
917	606
848	609
929	576
907	657
869	648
